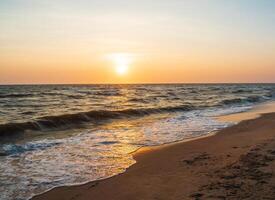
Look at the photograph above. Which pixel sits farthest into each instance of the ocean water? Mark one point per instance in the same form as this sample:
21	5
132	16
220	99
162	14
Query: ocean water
53	135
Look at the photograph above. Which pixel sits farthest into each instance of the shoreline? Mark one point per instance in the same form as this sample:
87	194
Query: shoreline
140	150
145	179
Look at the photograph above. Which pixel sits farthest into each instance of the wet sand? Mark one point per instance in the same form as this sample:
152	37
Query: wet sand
256	111
236	163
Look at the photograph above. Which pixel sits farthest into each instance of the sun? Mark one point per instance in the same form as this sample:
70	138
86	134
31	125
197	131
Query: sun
122	69
122	62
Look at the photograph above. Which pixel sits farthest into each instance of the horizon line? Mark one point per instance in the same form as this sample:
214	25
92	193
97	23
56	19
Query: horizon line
160	83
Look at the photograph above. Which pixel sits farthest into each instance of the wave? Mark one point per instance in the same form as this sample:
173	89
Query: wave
250	99
15	95
108	93
74	96
71	120
241	91
14	149
138	100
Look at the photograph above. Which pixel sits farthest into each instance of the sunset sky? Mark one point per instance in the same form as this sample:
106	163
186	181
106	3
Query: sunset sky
130	41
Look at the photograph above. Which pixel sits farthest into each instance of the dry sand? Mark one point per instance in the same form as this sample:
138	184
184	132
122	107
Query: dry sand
236	163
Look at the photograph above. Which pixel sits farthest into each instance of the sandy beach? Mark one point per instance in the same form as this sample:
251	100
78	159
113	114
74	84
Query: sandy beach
236	163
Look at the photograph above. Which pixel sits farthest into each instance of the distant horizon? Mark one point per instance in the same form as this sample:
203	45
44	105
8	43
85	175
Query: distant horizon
167	83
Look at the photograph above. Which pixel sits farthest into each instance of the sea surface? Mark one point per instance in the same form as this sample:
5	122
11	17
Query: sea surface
53	135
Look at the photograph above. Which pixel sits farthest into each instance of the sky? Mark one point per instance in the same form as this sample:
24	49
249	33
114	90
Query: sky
129	41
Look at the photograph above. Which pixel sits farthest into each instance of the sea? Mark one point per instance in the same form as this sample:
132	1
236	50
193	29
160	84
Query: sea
55	135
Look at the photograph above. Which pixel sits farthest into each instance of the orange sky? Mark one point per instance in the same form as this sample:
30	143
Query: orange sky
169	42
